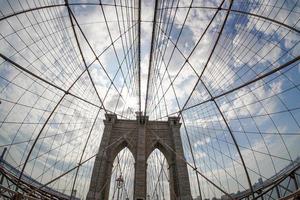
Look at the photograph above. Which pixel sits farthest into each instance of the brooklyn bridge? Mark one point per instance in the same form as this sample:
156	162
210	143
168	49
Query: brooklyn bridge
149	99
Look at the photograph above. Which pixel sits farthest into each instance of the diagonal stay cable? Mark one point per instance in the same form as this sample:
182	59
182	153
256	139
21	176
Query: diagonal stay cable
120	160
65	173
183	65
128	75
287	64
228	127
198	42
271	72
66	92
111	39
157	182
59	5
281	67
122	41
73	168
47	82
157	63
168	179
97	57
190	165
192	153
53	85
199	79
244	13
82	56
83	151
129	63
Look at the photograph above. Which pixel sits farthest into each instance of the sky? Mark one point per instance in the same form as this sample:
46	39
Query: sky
217	72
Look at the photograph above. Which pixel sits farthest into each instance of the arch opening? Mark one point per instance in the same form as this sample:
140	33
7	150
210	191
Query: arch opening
158	176
122	176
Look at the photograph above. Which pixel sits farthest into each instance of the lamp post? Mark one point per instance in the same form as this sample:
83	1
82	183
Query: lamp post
120	183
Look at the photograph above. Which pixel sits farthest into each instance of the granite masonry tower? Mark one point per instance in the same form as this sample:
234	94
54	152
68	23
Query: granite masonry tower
141	137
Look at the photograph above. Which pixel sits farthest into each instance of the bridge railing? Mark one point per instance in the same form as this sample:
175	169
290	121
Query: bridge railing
283	184
9	182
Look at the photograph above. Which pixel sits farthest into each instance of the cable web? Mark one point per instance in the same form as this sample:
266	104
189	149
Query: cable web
228	68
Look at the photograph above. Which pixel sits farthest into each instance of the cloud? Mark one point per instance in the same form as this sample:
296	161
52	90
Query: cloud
260	116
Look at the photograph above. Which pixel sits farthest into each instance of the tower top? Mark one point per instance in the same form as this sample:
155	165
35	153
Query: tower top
140	117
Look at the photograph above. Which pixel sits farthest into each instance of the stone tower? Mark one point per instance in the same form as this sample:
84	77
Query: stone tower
141	137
